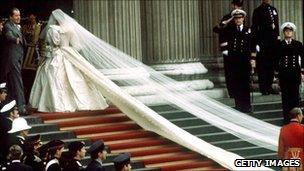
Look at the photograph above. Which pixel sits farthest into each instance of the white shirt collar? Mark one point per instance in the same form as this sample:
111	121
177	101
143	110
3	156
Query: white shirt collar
16	161
241	27
287	41
20	137
99	161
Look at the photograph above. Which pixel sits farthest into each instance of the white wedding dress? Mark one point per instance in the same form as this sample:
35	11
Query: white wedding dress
60	86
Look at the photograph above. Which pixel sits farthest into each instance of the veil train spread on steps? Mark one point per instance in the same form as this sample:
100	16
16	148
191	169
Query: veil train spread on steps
107	70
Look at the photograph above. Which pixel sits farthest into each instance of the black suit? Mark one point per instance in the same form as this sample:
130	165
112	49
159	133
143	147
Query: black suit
74	165
34	161
237	65
95	166
289	68
2	56
14	166
16	140
13	61
265	29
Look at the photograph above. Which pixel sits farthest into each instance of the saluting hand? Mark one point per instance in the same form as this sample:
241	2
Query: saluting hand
227	21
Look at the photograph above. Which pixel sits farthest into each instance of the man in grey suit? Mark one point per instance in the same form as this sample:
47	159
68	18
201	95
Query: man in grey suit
15	44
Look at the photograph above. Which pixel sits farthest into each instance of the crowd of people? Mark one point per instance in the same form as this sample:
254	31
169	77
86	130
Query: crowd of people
23	153
259	47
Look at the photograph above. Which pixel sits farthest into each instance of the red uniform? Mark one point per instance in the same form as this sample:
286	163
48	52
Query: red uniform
291	142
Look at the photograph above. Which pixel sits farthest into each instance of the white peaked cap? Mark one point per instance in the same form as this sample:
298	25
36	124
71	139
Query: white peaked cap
8	106
289	25
238	12
19	124
2	85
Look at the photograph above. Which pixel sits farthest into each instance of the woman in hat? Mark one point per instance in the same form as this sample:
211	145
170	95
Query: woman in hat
55	149
289	65
77	152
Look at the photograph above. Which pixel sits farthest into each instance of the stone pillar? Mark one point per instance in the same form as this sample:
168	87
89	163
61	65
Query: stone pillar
171	31
117	22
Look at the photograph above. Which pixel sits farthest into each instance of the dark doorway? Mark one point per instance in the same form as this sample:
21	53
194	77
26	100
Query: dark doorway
42	8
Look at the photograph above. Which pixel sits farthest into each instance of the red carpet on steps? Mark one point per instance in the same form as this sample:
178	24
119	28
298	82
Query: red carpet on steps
123	135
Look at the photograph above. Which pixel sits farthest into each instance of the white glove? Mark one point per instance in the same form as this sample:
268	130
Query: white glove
225	52
257	48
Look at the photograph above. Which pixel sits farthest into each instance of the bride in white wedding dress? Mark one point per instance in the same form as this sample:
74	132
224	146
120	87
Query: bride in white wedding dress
60	86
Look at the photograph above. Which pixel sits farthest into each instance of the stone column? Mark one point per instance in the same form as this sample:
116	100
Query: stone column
171	31
117	22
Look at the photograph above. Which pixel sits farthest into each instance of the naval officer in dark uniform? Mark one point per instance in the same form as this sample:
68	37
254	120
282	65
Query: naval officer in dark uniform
226	23
265	29
237	49
289	64
8	113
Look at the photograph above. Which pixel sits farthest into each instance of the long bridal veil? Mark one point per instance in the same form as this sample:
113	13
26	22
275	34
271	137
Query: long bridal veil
118	71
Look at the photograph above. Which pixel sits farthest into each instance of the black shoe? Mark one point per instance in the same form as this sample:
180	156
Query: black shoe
265	93
249	110
272	91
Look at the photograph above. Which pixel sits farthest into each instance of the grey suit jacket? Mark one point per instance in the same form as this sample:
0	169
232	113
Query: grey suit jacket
15	52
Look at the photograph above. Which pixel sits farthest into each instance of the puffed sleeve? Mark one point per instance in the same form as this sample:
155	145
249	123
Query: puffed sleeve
53	36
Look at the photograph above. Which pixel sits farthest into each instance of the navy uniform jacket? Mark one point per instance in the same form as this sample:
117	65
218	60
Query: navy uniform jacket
5	126
53	165
34	161
95	166
16	140
265	25
238	43
74	165
290	61
14	166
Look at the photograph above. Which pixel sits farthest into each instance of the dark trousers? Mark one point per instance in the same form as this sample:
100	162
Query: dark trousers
290	97
265	68
228	66
15	87
237	76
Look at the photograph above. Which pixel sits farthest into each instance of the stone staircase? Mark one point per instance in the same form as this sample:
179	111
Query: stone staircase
148	150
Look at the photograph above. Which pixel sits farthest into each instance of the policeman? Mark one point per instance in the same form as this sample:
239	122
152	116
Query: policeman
122	162
98	153
77	152
289	65
226	23
265	29
237	55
